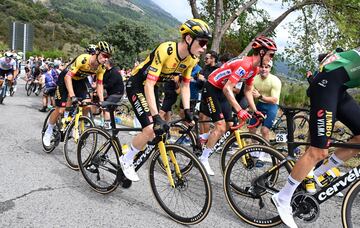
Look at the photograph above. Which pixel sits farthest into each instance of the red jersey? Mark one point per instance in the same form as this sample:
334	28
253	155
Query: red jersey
235	70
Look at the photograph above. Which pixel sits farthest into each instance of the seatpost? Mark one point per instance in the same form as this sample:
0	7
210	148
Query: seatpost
290	130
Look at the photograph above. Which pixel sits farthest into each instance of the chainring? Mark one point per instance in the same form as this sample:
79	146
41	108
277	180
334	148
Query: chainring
305	207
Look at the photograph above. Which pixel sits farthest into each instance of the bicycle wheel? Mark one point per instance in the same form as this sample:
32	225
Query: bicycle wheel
56	134
301	128
27	84
350	212
71	139
30	89
122	109
251	202
231	146
190	200
98	160
178	134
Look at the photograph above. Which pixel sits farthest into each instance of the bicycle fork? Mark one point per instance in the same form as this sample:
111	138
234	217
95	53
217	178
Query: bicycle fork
164	158
241	144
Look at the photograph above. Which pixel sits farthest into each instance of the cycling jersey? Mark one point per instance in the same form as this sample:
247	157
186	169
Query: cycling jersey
350	60
269	86
235	70
81	69
4	65
163	64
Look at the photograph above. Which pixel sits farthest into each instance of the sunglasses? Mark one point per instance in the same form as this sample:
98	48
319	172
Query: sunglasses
202	43
105	55
271	55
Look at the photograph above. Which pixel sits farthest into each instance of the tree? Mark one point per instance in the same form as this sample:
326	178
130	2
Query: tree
322	29
128	39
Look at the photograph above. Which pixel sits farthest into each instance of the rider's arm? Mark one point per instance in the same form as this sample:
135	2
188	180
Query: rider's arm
150	96
69	85
185	88
249	96
99	82
228	92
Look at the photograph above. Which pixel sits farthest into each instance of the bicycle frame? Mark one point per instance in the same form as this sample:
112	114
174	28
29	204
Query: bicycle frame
143	155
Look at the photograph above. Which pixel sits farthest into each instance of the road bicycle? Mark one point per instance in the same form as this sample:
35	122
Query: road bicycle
3	88
233	139
68	130
185	196
248	189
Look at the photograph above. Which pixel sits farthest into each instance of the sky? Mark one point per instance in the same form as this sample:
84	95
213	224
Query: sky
181	10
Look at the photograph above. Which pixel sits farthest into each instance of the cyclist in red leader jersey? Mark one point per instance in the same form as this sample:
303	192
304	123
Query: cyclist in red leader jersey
220	86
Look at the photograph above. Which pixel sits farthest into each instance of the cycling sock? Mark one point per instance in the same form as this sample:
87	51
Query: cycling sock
206	153
129	156
330	163
50	128
288	190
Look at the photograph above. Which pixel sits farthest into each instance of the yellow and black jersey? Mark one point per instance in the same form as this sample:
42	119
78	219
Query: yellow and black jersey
81	69
164	64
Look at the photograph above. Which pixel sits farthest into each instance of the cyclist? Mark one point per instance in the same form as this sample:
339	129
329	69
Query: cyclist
8	68
329	99
91	49
168	60
72	82
114	86
267	88
220	86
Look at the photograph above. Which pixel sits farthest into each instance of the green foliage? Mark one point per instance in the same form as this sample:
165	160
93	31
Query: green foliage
128	39
46	54
321	29
294	94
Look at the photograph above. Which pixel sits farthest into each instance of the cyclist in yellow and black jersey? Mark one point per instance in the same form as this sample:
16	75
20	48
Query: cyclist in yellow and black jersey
169	59
73	82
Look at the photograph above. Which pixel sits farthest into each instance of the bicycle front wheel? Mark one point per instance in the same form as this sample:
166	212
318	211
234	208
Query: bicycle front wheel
231	146
72	136
350	212
248	198
30	89
190	200
98	159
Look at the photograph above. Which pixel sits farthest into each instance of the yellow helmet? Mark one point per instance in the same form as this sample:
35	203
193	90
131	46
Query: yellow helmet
103	46
196	28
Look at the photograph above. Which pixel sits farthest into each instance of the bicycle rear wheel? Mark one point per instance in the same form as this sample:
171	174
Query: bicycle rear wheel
250	201
190	201
72	136
350	212
56	134
98	160
231	146
30	89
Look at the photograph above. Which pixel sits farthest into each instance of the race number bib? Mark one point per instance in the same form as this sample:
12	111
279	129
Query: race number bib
281	137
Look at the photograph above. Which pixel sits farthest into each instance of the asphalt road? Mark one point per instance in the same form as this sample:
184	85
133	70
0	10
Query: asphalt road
39	190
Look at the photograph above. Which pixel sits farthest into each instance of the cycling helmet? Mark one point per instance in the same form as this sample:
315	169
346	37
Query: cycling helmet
103	46
196	28
91	49
264	42
20	53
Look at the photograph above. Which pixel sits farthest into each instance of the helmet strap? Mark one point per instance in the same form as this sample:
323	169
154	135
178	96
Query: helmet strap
97	56
189	47
262	54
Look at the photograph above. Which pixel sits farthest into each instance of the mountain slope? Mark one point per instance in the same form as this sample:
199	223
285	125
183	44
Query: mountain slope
57	22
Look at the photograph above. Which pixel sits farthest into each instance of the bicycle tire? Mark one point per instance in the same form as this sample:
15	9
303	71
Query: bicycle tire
185	185
102	156
49	149
30	89
224	155
70	151
351	199
301	124
250	203
27	85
